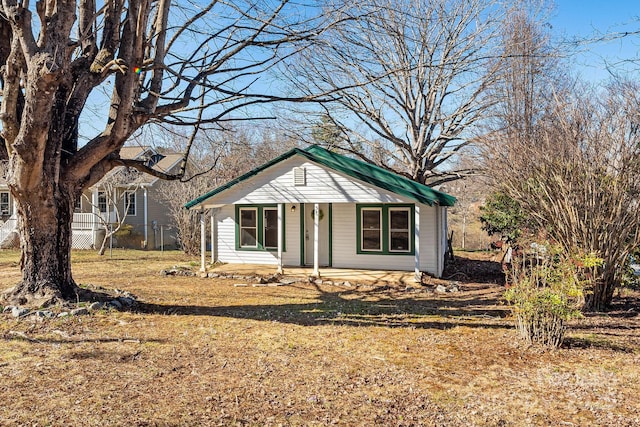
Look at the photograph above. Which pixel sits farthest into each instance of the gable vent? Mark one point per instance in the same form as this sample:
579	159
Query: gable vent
299	176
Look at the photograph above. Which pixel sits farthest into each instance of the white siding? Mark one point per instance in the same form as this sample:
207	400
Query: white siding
345	243
276	184
226	240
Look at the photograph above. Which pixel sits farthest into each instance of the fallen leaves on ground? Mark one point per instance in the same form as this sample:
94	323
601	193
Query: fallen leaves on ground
203	352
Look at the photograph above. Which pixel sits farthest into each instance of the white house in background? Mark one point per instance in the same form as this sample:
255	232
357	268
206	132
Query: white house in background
316	208
140	198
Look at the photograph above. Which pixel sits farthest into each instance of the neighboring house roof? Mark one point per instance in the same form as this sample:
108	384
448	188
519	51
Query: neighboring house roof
358	169
165	163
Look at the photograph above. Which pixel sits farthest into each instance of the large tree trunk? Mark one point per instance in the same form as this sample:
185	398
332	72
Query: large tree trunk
56	53
602	295
44	223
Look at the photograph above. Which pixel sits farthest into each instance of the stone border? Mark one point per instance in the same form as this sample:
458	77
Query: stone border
124	300
274	280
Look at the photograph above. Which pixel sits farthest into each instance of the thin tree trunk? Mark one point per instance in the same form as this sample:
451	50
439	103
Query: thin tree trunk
464	229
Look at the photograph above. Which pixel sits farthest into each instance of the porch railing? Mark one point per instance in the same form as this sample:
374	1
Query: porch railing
82	227
7	228
84	221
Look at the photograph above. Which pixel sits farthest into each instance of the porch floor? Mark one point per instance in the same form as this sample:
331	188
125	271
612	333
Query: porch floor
336	274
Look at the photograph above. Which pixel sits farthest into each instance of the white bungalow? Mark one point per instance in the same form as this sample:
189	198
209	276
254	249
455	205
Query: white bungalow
316	208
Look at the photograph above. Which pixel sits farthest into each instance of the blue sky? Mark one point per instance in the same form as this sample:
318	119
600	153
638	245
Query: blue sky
593	18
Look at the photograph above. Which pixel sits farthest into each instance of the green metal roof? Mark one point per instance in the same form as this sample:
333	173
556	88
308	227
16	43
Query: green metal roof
358	169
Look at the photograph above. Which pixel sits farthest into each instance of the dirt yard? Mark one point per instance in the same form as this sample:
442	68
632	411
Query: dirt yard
205	352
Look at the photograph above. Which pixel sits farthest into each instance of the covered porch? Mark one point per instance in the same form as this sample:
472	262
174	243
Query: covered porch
315	245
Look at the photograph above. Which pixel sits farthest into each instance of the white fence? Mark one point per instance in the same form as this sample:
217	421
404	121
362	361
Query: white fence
82	231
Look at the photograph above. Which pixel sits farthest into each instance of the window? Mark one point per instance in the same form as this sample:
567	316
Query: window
270	228
257	228
385	229
102	201
153	159
399	231
371	229
249	227
4	203
130	202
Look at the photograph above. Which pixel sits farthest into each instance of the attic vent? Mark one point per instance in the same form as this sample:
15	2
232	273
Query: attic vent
299	176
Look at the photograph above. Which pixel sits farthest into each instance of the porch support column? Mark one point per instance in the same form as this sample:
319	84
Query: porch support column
416	240
316	228
203	242
280	240
213	236
146	219
94	218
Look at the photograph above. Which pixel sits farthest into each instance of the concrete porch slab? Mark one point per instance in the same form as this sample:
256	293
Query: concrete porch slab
335	274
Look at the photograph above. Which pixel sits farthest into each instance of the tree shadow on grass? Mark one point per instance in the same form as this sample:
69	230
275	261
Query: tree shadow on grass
381	306
477	304
474	270
596	342
74	339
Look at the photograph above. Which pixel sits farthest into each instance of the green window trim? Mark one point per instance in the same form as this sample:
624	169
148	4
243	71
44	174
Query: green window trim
260	216
385	228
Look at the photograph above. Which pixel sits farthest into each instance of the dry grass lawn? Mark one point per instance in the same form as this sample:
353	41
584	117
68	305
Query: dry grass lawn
203	352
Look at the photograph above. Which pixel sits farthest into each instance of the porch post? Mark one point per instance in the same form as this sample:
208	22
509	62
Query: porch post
203	242
146	223
213	235
416	239
316	228
280	231
95	211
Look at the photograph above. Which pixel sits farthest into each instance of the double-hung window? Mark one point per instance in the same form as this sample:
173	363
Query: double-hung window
257	227
385	229
4	203
399	229
102	201
130	202
248	219
270	228
371	224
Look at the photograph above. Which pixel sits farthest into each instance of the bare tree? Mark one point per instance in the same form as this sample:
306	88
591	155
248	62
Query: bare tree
530	73
576	178
175	195
462	218
156	58
412	78
116	188
222	156
568	156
